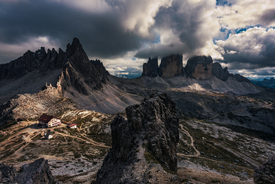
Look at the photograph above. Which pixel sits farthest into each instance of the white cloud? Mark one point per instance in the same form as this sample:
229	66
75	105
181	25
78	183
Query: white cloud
138	16
266	72
93	6
253	48
186	27
243	13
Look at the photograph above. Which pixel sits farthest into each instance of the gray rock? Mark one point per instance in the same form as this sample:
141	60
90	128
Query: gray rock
38	172
219	72
266	173
199	67
150	68
7	173
74	58
240	78
74	70
150	133
171	66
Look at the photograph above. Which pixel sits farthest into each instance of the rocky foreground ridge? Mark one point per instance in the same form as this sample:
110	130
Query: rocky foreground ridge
266	173
37	172
144	146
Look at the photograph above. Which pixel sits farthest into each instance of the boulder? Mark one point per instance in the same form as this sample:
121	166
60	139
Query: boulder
144	145
171	66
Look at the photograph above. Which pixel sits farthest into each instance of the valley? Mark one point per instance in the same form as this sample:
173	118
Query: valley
173	124
207	151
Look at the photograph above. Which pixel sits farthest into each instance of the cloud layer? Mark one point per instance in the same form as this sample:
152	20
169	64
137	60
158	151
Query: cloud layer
124	33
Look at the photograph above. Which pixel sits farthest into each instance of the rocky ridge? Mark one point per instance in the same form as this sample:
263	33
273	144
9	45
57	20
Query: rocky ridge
150	68
197	67
266	173
70	74
143	145
37	172
268	83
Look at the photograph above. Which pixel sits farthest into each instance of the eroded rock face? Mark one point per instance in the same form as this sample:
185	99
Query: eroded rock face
266	173
149	136
150	68
79	67
7	173
37	172
219	72
171	66
199	67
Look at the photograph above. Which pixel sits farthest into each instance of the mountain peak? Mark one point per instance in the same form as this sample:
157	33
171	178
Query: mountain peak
76	41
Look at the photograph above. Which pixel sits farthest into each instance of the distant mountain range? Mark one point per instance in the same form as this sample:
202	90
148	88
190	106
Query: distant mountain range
268	83
169	119
46	82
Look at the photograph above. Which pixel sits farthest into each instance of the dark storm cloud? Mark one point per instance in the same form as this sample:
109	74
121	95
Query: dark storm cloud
268	17
101	34
188	23
251	49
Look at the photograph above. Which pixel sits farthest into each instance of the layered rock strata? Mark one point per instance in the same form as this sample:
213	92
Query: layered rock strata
146	140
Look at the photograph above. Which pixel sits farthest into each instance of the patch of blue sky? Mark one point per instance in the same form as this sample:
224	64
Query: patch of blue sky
223	3
157	39
243	29
226	32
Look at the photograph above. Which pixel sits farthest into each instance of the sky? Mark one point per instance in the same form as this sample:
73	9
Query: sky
123	34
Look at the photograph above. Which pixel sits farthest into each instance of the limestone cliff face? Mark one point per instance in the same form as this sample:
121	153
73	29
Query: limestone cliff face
199	67
219	72
171	66
149	135
150	68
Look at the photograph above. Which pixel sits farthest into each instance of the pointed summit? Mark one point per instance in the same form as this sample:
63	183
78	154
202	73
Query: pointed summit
76	47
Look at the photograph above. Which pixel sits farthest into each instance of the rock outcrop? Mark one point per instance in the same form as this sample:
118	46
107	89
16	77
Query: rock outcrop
219	72
7	173
199	67
150	68
74	70
266	173
145	141
171	66
37	172
30	61
43	61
